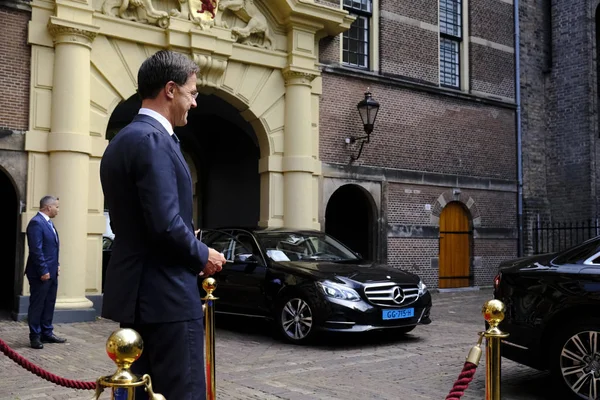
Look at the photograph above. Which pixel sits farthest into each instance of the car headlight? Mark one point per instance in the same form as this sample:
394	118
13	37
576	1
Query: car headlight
422	288
338	291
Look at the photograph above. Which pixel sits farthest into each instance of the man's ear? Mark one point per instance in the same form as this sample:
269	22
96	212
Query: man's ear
170	89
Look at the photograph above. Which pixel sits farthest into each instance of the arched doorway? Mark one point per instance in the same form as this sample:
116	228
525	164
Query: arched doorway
222	152
455	247
8	242
350	217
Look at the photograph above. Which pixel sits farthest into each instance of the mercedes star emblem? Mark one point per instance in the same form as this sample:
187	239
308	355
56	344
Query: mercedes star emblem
397	295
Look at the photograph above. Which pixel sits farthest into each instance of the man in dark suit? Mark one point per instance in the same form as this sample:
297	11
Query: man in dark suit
42	273
151	279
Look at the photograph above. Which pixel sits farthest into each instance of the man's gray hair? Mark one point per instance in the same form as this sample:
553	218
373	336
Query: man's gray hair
162	67
46	201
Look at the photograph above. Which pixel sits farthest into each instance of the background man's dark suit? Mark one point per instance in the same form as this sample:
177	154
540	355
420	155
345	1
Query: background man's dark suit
151	280
43	259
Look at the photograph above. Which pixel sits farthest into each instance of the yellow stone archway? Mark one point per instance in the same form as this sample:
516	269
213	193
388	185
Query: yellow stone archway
85	57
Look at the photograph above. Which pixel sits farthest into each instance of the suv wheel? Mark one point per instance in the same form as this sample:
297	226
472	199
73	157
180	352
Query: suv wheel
576	360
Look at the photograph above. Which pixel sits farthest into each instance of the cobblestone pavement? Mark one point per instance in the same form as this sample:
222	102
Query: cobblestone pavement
252	364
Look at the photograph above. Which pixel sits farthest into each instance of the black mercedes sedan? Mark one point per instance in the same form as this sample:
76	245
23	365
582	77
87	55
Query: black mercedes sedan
553	316
307	282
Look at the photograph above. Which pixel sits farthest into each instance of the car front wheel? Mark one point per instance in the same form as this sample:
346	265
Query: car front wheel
576	360
295	319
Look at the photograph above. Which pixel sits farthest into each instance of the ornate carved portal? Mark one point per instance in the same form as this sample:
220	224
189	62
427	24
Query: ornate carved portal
204	13
256	32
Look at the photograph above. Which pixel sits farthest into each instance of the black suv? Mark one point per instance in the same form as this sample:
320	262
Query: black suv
553	315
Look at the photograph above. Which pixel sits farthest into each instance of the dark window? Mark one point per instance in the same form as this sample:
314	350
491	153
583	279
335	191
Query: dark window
578	254
221	242
450	40
357	39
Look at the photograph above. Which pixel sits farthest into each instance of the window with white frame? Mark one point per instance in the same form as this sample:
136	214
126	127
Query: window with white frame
451	35
357	40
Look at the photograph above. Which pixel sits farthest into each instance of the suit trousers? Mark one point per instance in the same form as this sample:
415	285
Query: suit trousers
41	306
173	356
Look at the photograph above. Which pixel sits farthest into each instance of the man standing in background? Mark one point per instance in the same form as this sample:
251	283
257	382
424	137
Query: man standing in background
42	272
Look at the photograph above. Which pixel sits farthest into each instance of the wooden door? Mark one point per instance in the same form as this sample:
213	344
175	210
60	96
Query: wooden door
455	247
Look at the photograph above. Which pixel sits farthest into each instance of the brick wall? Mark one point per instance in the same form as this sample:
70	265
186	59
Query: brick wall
495	210
415	255
329	47
14	70
409	51
488	255
406	203
559	115
534	62
418	131
406	48
492	20
492	68
568	113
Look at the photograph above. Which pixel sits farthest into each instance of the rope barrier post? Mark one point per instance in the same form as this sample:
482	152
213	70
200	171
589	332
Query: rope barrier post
493	313
468	371
209	285
124	347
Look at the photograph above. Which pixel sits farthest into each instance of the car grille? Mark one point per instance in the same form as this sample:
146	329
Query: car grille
390	294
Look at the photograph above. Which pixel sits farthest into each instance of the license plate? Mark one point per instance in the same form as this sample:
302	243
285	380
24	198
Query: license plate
398	314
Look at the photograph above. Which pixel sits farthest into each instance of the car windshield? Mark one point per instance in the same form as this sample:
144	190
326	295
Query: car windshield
295	246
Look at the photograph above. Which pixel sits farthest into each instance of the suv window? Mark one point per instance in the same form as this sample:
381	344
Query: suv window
579	254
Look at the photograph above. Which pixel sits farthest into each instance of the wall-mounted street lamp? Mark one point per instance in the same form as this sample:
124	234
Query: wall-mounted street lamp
367	109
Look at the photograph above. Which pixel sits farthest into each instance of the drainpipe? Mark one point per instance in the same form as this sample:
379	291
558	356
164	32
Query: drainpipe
519	132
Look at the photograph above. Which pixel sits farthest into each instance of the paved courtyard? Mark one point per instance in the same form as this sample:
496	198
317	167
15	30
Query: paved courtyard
252	364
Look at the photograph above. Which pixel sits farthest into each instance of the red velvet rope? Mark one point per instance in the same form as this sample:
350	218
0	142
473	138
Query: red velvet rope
29	366
462	383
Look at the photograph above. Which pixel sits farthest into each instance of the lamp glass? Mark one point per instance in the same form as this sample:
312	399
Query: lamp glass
368	109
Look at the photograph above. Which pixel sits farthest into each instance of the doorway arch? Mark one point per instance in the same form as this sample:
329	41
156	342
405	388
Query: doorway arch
350	217
222	152
9	202
456	236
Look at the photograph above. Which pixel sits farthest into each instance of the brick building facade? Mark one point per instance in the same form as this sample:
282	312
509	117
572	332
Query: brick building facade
14	120
440	167
560	112
434	143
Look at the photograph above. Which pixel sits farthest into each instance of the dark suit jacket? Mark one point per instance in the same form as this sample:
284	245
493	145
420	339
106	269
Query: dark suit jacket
43	249
155	258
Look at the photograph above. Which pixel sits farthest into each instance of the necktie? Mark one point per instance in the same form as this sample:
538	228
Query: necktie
175	138
53	229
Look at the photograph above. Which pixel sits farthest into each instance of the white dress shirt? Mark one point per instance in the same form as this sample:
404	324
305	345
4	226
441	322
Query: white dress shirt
47	218
163	121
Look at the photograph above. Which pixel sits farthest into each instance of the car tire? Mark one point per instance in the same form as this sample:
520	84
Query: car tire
572	356
295	319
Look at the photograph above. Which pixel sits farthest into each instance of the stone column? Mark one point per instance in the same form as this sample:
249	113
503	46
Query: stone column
69	149
298	163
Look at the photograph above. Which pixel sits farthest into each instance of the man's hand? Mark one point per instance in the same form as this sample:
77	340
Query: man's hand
215	262
45	277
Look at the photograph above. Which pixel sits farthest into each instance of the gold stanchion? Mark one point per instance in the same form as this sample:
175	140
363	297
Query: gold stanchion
493	312
209	285
124	347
